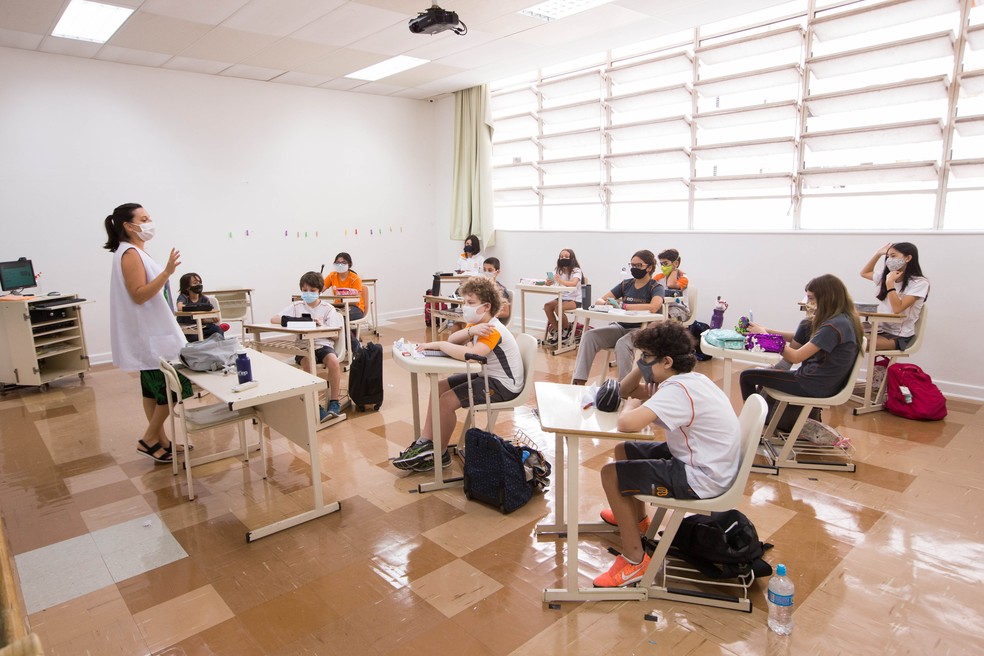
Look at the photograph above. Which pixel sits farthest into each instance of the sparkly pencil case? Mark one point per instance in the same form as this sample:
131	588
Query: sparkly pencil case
764	342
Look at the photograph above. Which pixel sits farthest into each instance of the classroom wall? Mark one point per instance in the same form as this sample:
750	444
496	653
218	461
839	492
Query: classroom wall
208	157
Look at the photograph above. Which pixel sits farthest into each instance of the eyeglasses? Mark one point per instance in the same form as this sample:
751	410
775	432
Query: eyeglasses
638	266
648	358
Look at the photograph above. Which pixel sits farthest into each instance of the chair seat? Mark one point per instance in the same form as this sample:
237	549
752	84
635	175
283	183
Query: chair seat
805	400
215	415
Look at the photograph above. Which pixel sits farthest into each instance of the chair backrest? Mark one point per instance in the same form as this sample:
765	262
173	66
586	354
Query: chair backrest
527	353
509	298
691	303
172	387
751	421
845	394
233	306
920	328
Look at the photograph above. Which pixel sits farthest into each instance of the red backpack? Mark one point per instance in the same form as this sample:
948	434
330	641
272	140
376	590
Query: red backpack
912	394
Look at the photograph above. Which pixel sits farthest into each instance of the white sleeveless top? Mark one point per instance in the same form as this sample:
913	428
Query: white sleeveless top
140	334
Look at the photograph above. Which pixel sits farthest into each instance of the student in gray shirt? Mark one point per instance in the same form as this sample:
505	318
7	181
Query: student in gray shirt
827	345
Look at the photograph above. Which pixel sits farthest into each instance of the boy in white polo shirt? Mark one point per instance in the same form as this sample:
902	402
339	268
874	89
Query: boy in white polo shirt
699	459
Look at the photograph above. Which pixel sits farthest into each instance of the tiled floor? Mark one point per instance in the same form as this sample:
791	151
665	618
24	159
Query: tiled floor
113	559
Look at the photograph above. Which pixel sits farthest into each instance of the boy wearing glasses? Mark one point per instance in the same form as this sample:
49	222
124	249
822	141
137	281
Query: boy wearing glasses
698	460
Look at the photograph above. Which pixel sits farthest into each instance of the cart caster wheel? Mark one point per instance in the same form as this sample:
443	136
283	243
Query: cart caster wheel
377	406
44	387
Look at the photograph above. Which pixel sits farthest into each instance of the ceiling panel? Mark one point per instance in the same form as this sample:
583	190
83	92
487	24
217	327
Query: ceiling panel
130	56
158	33
197	65
343	84
301	79
572	28
279	17
36	16
212	12
395	40
288	54
23	40
417	76
223	44
348	24
341	62
251	72
69	47
436	49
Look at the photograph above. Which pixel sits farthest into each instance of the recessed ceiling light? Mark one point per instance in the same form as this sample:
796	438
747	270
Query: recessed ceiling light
386	68
554	9
90	21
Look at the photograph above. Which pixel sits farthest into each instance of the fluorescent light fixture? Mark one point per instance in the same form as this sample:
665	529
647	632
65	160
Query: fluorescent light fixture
386	68
554	9
90	21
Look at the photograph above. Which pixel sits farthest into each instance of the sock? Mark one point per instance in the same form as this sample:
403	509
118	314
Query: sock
631	562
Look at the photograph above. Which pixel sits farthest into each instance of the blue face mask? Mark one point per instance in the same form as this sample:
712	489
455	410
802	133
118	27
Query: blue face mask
646	369
309	297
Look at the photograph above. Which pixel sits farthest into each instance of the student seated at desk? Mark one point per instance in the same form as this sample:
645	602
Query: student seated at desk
484	335
323	313
470	261
675	281
902	289
827	345
698	460
345	277
566	274
490	269
190	293
640	292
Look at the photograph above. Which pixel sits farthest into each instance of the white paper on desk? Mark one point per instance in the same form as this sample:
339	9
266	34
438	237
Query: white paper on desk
303	325
408	347
589	396
601	308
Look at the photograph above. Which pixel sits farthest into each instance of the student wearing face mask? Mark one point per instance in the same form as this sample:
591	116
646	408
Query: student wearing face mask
566	274
141	319
470	261
902	289
699	458
344	277
483	335
190	293
323	313
640	292
827	345
675	281
490	269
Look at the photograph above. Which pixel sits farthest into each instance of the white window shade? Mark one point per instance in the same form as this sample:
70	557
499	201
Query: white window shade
970	126
751	46
507	102
875	136
515	125
968	168
879	95
578	193
764	113
667	157
972	82
574	113
765	78
649	190
739	182
870	174
895	53
975	37
744	149
589	166
513	175
673	125
525	149
573	85
650	69
642	100
589	138
827	27
516	195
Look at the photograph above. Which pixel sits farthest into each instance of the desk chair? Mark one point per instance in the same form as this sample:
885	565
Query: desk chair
751	421
691	303
790	453
879	401
527	353
195	420
509	299
234	306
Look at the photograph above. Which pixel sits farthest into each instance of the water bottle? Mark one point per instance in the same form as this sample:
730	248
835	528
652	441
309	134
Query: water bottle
781	602
243	366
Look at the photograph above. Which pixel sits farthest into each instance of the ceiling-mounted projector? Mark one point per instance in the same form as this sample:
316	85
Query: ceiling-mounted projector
435	19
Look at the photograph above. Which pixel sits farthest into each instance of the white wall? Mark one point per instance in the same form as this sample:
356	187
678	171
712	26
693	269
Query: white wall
208	156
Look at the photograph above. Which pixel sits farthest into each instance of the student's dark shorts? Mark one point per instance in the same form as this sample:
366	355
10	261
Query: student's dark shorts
901	343
152	386
651	469
320	354
497	391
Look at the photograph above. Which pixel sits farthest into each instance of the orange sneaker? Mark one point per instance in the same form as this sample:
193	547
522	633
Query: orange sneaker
608	517
622	573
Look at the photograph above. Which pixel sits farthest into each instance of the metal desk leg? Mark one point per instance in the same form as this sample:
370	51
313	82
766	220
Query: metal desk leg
439	482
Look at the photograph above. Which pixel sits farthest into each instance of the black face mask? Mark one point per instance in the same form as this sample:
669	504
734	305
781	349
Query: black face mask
197	289
638	274
564	262
469	249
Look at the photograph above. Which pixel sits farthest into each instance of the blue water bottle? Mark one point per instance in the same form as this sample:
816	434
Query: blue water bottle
243	366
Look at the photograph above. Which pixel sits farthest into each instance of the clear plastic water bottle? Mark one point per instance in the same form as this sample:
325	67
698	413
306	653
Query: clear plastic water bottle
243	366
781	602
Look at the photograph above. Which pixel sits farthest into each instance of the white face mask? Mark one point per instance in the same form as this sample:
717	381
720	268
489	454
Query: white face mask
472	313
894	263
341	267
147	230
309	297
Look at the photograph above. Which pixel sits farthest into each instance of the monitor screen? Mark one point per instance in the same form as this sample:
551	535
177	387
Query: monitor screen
16	275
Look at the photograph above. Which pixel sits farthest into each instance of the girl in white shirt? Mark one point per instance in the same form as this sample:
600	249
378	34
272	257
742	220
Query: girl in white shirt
902	289
566	274
471	260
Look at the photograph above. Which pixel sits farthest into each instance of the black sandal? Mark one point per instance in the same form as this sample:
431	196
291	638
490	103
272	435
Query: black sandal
152	451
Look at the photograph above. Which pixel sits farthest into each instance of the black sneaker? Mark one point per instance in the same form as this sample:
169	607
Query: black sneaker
426	464
413	453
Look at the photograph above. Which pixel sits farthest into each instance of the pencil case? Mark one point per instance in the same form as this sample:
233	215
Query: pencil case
764	342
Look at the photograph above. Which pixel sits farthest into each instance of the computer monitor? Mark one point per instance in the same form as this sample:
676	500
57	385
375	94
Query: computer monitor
17	276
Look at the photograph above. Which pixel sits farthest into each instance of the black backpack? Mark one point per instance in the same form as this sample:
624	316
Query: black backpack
722	545
697	328
366	376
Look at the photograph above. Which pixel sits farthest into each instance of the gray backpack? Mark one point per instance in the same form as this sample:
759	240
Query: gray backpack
211	354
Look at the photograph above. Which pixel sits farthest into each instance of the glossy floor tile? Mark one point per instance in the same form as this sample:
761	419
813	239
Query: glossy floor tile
113	558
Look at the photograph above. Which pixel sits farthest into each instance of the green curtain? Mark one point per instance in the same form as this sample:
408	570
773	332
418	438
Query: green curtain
471	199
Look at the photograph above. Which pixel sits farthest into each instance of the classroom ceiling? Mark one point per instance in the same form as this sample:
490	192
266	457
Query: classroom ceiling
315	43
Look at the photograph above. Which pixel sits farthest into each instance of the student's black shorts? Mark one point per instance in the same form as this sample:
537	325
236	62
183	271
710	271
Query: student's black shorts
901	343
152	386
497	391
651	469
320	354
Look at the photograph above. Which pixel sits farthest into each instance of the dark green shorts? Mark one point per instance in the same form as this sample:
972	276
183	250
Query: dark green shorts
153	386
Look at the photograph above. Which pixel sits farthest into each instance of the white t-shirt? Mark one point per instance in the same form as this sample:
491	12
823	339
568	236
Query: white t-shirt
573	293
505	363
918	287
470	264
701	431
324	312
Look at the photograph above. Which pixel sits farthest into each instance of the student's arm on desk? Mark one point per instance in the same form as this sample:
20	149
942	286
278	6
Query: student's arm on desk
635	416
456	351
797	355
